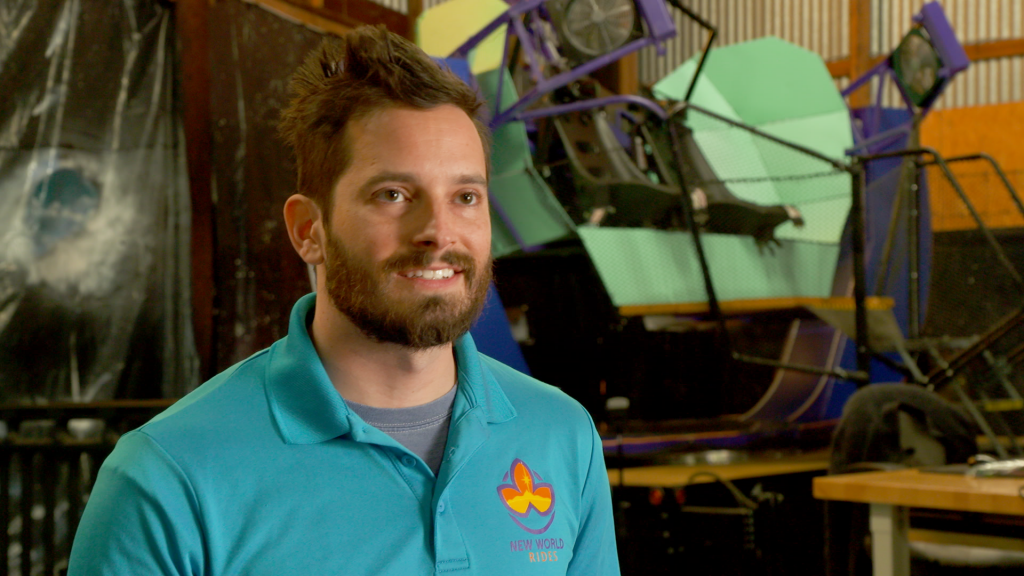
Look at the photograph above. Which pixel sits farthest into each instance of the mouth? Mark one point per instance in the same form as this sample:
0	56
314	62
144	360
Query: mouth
430	273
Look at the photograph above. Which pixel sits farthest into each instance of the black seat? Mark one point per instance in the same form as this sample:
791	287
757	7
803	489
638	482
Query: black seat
617	188
613	190
886	426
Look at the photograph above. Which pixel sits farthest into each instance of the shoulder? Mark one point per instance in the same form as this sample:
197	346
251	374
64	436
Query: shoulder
233	402
536	400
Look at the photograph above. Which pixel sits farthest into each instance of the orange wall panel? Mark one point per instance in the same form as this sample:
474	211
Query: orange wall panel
997	130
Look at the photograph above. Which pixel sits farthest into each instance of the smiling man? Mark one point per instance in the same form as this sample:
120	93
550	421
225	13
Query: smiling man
374	438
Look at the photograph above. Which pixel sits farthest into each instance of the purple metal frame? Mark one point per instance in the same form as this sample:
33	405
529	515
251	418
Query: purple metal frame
933	19
660	27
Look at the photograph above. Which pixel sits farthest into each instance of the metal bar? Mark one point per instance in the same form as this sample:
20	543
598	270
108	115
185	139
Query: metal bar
714	306
890	548
550	84
980	420
594	103
879	140
999	171
511	31
948	370
865	78
463	50
859	280
882	280
908	368
914	235
6	457
1003	259
74	497
700	65
49	486
1001	371
28	483
1015	355
677	148
989	237
998	417
854	376
678	108
707	45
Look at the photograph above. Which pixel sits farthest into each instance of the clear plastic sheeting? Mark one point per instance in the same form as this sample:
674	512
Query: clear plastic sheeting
94	204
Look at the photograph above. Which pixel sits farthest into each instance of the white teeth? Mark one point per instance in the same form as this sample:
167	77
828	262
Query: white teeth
431	274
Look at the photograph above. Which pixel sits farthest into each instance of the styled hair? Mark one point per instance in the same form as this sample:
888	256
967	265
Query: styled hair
350	78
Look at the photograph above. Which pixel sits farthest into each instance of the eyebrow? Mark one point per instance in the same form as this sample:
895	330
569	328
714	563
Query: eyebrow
410	178
467	179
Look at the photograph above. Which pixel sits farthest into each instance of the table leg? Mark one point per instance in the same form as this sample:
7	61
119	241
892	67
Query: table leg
890	552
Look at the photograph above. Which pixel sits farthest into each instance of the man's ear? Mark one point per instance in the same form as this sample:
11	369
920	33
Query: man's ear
305	226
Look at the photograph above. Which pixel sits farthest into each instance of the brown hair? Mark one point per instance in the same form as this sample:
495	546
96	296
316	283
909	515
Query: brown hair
350	78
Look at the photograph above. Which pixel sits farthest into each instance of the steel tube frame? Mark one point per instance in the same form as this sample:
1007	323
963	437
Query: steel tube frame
940	162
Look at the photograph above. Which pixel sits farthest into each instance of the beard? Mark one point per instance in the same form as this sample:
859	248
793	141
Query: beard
360	291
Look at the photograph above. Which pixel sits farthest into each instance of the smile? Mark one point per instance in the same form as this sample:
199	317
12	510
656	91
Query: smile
441	274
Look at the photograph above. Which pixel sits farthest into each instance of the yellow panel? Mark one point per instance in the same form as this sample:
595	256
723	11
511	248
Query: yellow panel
445	27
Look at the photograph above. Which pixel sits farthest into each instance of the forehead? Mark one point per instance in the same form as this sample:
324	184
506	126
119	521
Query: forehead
443	137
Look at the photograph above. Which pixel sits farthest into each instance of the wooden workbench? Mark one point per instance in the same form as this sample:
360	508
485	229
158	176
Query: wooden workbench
677	475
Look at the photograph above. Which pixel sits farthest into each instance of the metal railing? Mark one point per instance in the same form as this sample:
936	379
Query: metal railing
49	456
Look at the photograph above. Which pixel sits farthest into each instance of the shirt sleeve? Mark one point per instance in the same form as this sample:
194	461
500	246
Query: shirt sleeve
141	518
594	553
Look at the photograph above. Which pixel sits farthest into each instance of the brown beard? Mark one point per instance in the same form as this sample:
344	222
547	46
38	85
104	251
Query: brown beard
360	293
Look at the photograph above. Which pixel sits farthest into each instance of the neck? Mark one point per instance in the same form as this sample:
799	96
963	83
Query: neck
378	374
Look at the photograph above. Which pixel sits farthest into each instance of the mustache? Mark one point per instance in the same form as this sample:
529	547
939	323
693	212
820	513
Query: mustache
400	262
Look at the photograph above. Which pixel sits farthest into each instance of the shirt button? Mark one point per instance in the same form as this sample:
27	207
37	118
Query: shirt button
408	461
440	507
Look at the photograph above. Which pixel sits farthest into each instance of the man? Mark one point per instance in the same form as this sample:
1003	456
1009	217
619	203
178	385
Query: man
373	439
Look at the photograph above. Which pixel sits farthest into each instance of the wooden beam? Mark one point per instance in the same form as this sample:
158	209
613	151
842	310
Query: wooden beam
755	306
193	32
621	76
629	74
355	12
311	15
338	17
995	49
976	52
838	68
413	14
860	49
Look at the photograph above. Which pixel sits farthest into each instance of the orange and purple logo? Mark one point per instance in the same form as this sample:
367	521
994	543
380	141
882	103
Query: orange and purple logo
530	501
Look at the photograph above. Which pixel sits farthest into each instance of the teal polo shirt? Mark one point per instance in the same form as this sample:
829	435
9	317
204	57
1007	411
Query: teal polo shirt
264	470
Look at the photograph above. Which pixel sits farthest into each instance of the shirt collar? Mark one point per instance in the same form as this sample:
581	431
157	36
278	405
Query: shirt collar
307	408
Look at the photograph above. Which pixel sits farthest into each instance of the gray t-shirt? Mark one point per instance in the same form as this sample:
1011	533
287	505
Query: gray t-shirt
422	429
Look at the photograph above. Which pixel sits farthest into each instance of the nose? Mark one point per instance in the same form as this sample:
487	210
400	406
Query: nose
433	225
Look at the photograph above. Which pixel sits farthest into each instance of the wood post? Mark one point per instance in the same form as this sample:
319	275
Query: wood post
193	31
860	49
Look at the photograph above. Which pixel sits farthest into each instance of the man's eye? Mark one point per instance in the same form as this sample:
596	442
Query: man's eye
391	195
469	198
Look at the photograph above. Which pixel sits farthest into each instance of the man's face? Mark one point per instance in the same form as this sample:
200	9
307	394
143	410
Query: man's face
409	242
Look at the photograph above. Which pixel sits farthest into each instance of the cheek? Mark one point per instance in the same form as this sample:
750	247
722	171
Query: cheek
370	231
480	233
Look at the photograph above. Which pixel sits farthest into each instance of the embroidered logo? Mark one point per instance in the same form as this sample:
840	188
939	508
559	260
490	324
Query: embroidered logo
529	500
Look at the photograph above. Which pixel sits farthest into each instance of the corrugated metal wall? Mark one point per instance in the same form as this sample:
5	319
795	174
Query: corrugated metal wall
818	25
403	5
975	21
823	27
